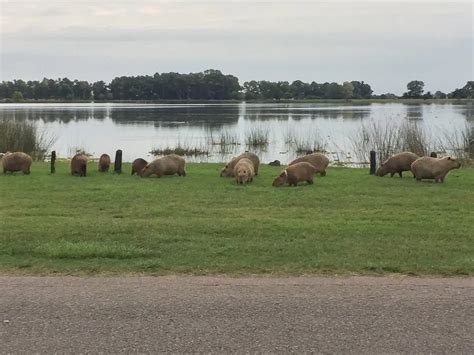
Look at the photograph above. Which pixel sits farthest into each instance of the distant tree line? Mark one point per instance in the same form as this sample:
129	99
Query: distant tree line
208	85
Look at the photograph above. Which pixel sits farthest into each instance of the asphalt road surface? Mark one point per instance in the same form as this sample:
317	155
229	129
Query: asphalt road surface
222	315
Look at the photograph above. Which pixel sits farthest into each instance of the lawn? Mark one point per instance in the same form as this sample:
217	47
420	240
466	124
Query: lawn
347	222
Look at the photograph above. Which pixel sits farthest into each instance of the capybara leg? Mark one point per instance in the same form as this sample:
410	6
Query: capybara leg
400	173
391	174
310	182
418	179
323	173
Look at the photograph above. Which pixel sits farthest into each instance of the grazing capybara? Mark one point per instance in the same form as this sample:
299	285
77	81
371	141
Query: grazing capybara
228	170
434	168
79	165
243	171
275	163
138	165
17	161
295	173
397	164
167	165
104	163
318	160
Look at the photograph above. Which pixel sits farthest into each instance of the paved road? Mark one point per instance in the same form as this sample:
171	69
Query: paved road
218	314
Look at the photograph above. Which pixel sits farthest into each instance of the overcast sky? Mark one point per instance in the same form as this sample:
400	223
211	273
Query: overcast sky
384	43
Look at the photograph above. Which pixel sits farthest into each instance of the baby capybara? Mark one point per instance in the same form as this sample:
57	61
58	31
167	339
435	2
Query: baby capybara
243	171
17	161
397	164
295	173
434	168
318	160
228	170
79	165
138	165
104	163
167	165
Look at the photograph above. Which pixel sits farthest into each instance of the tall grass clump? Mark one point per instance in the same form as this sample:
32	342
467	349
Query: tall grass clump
311	142
412	138
460	144
257	137
182	149
225	140
24	136
390	138
381	137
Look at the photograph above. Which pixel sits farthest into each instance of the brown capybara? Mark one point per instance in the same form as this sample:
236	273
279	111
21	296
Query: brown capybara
318	160
434	168
295	173
167	165
17	161
397	164
138	165
79	165
243	171
228	170
104	163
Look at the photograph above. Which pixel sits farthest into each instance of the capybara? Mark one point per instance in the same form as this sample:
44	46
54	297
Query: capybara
295	173
228	170
167	165
397	164
275	163
318	160
434	168
104	163
79	165
138	165
243	171
17	161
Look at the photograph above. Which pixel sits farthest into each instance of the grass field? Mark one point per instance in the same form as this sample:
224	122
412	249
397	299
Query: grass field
347	222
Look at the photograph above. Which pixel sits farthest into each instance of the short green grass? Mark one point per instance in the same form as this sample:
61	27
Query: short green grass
347	222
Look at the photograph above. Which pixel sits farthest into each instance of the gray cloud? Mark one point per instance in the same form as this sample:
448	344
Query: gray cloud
385	44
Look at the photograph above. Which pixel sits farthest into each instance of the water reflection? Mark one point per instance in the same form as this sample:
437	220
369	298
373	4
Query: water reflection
138	128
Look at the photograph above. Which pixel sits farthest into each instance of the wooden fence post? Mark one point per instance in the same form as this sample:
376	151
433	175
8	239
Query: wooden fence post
53	162
433	155
373	162
118	162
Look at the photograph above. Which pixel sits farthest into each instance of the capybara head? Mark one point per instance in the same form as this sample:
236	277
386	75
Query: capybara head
226	171
281	179
451	163
381	171
243	175
146	171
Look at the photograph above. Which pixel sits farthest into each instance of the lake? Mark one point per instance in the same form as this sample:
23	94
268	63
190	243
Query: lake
137	129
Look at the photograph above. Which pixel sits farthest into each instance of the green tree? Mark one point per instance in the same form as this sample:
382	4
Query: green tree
348	89
415	89
17	96
439	95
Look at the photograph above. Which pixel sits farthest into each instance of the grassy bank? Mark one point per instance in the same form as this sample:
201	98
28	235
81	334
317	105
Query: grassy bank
347	222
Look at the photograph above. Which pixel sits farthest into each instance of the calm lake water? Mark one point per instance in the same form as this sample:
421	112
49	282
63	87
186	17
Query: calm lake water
139	128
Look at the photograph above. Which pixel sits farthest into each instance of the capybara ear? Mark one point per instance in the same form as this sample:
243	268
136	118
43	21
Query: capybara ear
449	158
